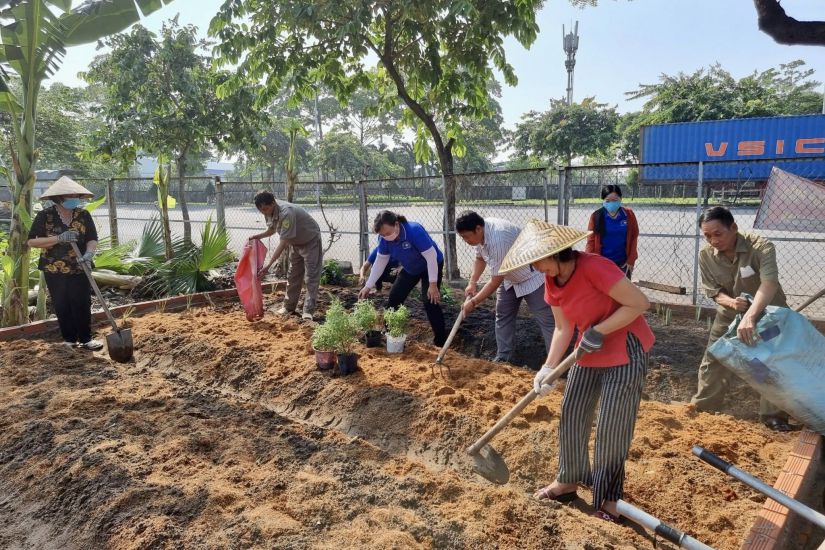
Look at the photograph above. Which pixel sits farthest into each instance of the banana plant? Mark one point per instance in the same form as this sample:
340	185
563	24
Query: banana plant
34	35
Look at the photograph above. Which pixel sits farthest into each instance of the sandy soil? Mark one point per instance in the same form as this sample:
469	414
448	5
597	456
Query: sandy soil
223	434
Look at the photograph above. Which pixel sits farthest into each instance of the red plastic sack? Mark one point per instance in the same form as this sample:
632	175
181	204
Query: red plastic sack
246	279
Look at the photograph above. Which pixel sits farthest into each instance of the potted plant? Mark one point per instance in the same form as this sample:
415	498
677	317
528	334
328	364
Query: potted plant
323	344
344	333
396	320
366	318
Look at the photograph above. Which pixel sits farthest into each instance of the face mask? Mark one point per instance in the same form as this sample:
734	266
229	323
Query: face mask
393	236
71	203
612	206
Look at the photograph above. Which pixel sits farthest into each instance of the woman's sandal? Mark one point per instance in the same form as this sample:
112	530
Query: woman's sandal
607	516
547	493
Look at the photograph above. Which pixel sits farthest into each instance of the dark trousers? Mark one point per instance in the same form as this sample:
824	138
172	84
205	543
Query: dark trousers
386	277
401	288
72	301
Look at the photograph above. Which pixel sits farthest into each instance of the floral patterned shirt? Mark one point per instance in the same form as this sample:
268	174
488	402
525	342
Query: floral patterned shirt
61	258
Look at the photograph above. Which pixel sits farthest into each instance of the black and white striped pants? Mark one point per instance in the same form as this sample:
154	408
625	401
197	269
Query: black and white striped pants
618	390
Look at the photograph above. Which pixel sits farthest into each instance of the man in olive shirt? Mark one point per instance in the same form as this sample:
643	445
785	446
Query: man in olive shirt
299	230
733	264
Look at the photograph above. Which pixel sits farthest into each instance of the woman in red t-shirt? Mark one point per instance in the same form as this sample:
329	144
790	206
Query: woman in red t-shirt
591	293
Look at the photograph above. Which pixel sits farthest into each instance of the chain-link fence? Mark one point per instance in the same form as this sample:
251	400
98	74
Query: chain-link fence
667	200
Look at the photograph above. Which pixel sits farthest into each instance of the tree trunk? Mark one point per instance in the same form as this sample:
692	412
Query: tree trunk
16	291
184	207
445	157
164	210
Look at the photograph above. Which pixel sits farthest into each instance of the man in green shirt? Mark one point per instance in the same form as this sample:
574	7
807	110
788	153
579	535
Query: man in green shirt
299	230
735	263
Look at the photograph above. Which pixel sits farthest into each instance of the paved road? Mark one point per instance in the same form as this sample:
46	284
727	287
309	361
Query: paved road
666	245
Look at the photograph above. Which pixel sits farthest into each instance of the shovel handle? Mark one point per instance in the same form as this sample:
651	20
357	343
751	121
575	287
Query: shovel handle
552	376
93	283
449	341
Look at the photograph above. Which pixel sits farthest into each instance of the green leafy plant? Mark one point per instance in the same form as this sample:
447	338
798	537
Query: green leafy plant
186	272
365	315
332	274
447	295
323	338
342	327
397	320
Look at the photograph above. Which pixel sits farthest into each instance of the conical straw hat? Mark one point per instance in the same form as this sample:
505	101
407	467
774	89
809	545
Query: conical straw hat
65	186
539	240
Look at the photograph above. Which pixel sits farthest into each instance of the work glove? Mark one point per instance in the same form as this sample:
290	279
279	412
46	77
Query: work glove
87	258
538	387
68	236
592	341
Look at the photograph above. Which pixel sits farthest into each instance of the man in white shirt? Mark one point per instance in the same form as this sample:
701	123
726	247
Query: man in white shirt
492	238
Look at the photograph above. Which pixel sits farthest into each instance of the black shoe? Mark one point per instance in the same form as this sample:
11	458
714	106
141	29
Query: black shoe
778	424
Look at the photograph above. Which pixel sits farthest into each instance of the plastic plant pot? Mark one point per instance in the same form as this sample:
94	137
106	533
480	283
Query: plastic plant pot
395	344
324	359
372	338
347	363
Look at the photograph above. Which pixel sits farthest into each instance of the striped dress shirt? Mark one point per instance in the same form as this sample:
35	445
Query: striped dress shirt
499	236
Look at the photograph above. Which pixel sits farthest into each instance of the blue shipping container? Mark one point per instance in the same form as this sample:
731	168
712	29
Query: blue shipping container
737	140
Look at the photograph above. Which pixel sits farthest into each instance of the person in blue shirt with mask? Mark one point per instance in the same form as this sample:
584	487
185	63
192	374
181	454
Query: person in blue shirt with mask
421	261
615	231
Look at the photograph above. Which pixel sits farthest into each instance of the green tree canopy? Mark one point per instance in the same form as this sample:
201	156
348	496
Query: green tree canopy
566	131
435	57
160	99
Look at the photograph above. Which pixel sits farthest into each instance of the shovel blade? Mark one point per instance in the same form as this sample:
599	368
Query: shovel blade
488	464
120	346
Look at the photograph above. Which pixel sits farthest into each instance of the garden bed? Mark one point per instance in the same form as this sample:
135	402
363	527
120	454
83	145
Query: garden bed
223	433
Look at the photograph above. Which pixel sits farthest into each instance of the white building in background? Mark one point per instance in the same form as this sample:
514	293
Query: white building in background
145	167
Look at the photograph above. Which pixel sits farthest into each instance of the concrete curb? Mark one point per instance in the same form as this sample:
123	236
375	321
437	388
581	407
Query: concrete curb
776	527
174	303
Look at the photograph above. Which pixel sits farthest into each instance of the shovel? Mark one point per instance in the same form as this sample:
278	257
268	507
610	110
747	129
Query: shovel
119	342
449	341
486	461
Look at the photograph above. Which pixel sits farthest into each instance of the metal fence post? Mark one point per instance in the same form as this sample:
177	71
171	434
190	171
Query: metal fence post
110	198
363	222
700	193
544	177
220	205
568	194
560	198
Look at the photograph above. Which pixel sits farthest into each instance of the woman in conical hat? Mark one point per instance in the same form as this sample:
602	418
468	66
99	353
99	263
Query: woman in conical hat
53	229
591	293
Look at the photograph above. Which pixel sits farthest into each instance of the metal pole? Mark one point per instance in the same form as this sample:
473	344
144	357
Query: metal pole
808	513
363	222
448	256
110	198
219	203
700	192
568	193
544	178
560	201
657	526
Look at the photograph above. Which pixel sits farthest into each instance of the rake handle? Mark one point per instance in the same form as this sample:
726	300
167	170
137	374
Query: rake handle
552	376
449	341
93	283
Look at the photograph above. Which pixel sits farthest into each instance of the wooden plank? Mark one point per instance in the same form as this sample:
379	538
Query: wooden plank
664	288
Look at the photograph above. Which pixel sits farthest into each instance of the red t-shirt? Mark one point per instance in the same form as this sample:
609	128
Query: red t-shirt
585	300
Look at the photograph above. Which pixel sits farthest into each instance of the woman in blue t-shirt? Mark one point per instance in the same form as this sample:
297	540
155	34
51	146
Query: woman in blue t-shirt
411	246
615	231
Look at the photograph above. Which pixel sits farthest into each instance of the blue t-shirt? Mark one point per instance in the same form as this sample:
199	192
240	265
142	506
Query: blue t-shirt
614	238
374	253
407	248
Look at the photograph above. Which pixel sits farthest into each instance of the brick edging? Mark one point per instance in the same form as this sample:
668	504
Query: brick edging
174	303
776	525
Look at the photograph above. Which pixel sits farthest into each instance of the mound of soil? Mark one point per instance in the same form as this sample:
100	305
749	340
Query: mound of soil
223	434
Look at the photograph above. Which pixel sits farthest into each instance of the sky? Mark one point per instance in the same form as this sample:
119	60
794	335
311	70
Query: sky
622	44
